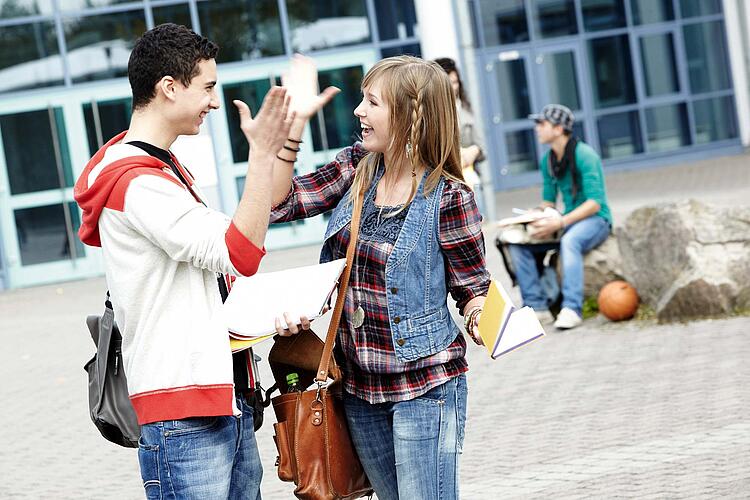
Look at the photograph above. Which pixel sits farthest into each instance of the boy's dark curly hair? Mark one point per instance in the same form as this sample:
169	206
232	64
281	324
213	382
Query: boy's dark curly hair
166	50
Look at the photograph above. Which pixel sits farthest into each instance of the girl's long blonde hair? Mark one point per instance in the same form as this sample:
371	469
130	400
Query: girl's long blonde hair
423	116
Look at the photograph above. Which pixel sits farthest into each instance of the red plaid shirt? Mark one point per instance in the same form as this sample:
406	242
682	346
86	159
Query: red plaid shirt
366	354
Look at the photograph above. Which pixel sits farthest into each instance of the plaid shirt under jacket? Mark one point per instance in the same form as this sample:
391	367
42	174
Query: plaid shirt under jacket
371	370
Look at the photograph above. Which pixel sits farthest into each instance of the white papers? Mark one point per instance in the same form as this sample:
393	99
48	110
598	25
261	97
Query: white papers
522	327
255	302
528	216
504	328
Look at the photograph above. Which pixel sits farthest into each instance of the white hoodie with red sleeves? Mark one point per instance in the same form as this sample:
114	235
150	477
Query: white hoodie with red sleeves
162	249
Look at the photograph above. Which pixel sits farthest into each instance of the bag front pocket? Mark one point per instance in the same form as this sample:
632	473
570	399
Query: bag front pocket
284	460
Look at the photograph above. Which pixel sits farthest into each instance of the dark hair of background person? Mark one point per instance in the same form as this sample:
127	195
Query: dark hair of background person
166	50
448	66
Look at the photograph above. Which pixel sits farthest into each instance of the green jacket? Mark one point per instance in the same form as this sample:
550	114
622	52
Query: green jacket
590	178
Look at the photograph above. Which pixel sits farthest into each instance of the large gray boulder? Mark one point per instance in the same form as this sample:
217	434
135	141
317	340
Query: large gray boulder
688	259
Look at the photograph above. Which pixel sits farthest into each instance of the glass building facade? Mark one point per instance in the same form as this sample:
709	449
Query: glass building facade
64	92
647	79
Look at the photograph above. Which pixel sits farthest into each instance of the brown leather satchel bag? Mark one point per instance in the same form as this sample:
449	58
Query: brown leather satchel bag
312	436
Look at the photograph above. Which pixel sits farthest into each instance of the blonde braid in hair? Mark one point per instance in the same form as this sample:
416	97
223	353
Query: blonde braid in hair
415	138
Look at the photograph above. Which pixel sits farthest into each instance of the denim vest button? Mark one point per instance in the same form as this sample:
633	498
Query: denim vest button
394	290
401	342
397	320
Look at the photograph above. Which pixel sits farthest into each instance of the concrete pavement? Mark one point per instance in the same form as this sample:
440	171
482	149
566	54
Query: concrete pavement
631	410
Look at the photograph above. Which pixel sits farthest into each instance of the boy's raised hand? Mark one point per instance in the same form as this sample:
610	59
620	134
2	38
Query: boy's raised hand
269	129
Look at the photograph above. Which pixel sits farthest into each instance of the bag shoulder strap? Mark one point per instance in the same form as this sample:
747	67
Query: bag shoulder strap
325	358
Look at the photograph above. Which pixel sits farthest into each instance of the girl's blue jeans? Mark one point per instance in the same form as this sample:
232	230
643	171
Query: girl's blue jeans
410	449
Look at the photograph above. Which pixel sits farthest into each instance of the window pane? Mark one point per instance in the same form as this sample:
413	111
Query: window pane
578	131
327	23
178	14
560	73
396	19
707	61
252	94
99	46
243	30
620	135
87	4
20	8
555	18
114	117
652	11
693	8
659	65
341	126
29	57
42	235
667	127
513	88
603	14
412	49
521	151
504	21
714	120
32	169
611	72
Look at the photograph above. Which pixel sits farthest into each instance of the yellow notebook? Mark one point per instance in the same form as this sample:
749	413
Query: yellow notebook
241	345
504	328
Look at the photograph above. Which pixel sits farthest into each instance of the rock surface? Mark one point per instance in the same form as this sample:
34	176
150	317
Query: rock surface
600	266
688	259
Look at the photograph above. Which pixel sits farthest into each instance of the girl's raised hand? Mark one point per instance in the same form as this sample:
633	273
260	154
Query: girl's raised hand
302	86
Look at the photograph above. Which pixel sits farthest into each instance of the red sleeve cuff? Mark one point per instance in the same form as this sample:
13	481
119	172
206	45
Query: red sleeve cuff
243	253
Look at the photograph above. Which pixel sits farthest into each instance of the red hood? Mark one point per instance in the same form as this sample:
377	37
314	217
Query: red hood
92	199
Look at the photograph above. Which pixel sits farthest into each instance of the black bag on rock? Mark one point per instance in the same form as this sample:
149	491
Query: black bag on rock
109	404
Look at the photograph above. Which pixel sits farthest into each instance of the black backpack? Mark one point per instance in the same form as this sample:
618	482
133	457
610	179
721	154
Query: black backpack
109	405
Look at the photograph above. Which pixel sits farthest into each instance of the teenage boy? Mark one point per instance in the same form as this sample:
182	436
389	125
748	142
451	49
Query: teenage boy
162	250
572	169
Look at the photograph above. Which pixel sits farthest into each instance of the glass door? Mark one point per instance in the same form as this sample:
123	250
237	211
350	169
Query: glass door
521	82
557	80
45	142
509	78
40	220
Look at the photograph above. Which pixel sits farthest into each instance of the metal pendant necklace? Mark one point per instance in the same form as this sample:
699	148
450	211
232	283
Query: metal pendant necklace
358	318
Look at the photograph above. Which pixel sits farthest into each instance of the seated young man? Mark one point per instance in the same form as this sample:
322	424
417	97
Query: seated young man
573	170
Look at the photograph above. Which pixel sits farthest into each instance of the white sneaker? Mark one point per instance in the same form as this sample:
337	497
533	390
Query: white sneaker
544	316
567	319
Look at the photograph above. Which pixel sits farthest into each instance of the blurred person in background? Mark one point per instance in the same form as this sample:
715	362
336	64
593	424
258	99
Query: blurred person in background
471	138
572	170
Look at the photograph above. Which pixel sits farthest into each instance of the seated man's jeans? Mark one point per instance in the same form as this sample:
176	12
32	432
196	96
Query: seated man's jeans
409	449
577	240
201	458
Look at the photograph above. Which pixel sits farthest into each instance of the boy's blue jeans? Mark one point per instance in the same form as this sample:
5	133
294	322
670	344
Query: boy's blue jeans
577	240
201	458
410	449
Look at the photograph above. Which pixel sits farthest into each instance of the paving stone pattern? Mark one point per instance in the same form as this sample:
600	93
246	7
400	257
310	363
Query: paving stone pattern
625	410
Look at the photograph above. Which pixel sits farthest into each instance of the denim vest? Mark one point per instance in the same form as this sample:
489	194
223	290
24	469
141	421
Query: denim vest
416	285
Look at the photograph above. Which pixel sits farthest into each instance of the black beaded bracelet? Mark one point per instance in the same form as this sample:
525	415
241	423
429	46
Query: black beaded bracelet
294	140
284	159
289	148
